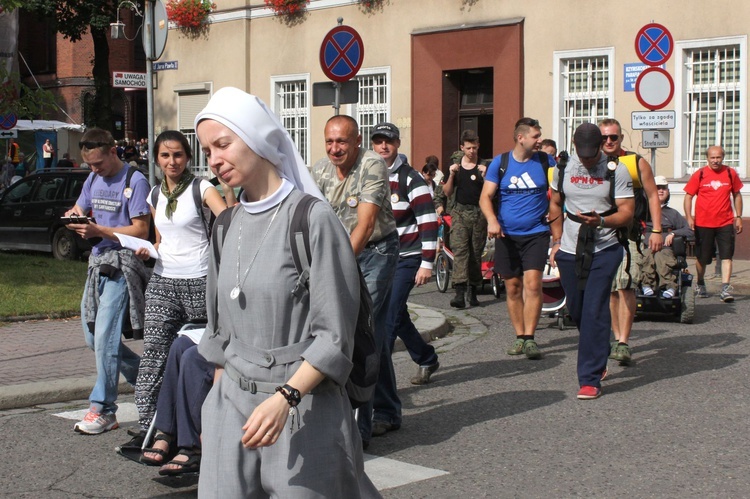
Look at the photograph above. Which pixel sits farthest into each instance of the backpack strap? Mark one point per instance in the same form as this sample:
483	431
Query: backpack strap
221	227
403	178
299	240
155	196
561	164
198	200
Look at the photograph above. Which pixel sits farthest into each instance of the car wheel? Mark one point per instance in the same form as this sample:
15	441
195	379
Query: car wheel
442	272
687	305
64	245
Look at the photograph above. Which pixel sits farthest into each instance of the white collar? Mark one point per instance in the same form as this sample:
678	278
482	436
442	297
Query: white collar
266	204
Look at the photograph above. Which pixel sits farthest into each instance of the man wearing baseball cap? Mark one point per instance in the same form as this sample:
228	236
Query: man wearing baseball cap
598	197
658	267
416	222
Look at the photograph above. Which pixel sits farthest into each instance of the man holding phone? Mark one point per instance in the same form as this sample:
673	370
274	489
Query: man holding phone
113	298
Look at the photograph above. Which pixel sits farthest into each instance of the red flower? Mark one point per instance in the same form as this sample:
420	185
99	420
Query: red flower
189	14
287	7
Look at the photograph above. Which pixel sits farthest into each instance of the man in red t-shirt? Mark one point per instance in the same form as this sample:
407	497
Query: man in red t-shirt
714	185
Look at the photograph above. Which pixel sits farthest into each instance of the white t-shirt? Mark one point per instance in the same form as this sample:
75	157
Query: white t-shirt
183	252
587	190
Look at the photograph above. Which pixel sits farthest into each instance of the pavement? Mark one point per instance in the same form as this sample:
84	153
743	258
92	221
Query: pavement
47	361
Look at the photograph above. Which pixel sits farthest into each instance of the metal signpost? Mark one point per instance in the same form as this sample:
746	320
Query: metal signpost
341	55
155	30
654	88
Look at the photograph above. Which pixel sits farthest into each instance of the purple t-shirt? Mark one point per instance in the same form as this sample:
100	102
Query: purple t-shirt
105	197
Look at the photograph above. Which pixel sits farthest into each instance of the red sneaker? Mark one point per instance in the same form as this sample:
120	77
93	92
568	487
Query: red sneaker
589	393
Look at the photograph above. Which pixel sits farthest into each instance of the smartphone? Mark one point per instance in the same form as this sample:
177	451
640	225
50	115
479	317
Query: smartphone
76	219
588	213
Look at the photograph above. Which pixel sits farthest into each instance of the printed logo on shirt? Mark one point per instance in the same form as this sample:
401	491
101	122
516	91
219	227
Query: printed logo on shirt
716	184
582	179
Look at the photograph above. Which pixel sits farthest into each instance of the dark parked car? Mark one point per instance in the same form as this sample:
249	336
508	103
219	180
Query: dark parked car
30	212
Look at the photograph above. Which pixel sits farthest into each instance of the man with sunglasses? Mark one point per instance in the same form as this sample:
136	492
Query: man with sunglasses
647	207
113	299
520	229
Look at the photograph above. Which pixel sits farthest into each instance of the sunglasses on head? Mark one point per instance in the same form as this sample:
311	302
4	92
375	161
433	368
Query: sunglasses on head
93	145
613	137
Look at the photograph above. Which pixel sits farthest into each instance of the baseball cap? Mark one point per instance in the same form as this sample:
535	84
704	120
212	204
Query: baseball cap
388	130
661	180
587	139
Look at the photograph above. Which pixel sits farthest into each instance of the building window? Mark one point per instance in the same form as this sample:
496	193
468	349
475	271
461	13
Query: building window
191	99
291	103
585	91
713	101
374	101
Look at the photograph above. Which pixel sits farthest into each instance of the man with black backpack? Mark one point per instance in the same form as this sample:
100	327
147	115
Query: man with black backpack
416	221
647	207
519	224
716	186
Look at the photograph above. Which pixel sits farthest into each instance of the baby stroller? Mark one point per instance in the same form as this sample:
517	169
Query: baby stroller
682	305
444	260
553	297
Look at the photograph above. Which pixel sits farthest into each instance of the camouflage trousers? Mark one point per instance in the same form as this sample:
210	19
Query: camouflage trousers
468	237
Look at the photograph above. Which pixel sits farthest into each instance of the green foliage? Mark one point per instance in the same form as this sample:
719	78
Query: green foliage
34	284
9	5
21	100
74	18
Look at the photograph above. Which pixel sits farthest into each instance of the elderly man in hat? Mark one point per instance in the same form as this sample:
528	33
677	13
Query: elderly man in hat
598	195
658	267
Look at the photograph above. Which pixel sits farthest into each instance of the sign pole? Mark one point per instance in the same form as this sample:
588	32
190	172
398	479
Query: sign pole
148	42
336	98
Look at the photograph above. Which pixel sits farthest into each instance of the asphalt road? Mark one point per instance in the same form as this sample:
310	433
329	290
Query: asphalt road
672	425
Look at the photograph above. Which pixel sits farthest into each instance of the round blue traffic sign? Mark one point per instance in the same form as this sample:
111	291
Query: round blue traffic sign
654	44
342	53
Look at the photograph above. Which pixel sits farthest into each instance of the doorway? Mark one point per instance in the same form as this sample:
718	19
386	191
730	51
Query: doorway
468	105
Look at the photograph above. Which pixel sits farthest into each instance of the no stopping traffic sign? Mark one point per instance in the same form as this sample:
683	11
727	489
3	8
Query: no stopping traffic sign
341	53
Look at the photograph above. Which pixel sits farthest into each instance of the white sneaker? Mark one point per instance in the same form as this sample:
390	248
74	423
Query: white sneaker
669	293
95	423
647	291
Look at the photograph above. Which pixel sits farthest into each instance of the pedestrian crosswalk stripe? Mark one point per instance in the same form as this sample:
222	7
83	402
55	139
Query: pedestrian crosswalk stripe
385	473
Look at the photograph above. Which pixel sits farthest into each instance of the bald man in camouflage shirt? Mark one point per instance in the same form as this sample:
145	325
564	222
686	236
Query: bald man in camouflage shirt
355	182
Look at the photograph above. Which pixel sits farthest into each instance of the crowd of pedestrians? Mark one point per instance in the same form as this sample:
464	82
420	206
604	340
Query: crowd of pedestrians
253	396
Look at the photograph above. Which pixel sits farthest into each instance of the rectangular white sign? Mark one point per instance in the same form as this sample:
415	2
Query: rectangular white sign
655	139
122	79
9	134
656	120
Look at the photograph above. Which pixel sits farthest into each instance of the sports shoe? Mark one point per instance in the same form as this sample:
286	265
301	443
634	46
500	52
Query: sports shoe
726	294
517	348
648	291
95	423
669	293
589	392
531	349
622	354
700	291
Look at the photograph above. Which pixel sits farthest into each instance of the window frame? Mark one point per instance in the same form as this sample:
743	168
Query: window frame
681	141
354	109
562	133
275	107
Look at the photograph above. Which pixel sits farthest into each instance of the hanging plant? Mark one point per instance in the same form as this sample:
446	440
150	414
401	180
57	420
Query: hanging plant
371	6
190	16
290	10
